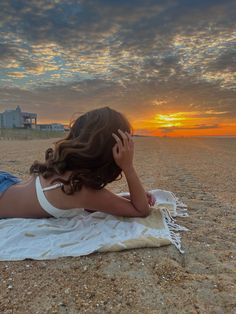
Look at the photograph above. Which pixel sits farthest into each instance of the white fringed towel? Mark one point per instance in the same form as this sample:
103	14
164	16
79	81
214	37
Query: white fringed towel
51	238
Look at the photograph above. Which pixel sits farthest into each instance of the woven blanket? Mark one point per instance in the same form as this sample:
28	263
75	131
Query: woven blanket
51	238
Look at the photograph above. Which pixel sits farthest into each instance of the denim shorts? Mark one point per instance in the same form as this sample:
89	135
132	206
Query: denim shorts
6	180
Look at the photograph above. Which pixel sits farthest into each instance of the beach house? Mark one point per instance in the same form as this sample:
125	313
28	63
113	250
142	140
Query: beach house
15	118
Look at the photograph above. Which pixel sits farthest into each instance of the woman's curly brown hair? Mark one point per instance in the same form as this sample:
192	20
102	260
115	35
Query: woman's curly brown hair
86	151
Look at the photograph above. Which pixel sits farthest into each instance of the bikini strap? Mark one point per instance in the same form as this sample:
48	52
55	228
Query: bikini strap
52	187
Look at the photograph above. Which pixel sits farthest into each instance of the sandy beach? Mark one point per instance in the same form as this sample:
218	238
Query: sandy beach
202	173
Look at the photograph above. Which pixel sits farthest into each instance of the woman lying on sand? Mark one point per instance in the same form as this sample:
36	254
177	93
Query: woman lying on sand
73	177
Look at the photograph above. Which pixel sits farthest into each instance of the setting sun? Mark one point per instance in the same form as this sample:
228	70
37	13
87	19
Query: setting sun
169	120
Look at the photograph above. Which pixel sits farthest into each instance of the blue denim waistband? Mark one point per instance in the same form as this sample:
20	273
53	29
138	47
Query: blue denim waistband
6	180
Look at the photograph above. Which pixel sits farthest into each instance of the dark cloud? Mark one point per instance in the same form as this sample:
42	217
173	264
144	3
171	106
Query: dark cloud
225	62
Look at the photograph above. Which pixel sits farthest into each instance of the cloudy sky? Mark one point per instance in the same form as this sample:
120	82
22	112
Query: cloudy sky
169	66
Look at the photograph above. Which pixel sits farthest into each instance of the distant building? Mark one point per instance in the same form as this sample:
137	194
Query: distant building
15	118
51	127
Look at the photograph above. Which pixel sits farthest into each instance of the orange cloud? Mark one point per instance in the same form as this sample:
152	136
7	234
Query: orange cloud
16	74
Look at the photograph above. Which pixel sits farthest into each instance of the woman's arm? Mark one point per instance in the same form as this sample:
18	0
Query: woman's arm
105	201
137	193
126	195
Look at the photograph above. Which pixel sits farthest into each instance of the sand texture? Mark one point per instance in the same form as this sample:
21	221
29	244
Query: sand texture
202	172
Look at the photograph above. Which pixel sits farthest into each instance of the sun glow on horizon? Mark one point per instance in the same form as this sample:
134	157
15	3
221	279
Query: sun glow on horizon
192	123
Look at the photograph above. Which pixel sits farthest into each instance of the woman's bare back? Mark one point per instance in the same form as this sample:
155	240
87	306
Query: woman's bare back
20	200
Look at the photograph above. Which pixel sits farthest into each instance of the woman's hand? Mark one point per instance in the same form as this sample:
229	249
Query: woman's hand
151	199
123	150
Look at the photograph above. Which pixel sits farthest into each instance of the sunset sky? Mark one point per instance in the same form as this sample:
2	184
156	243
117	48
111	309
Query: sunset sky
169	66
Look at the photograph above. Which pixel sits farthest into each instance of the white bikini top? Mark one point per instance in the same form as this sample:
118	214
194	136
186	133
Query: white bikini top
49	208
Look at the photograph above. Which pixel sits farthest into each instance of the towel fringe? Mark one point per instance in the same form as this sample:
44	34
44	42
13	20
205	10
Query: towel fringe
173	227
181	208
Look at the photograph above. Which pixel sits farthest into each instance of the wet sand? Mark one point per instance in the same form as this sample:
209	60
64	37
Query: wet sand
202	173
